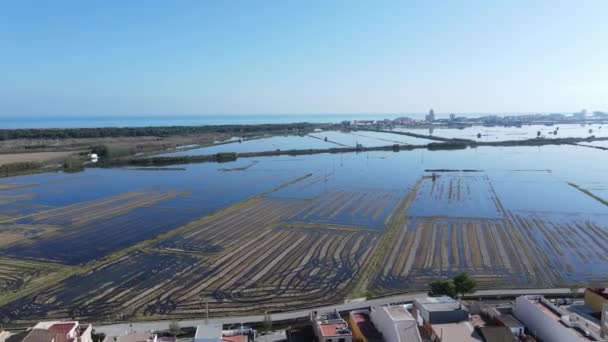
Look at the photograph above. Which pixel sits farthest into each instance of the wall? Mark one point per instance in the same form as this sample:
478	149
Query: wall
594	301
391	330
357	334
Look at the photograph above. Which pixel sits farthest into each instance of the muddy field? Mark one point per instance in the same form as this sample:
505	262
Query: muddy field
41	157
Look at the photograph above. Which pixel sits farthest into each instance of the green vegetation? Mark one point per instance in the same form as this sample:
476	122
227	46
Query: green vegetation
14	168
461	284
64	133
447	145
73	165
442	287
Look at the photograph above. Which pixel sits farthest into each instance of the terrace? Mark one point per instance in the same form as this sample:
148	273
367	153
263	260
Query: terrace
456	332
329	327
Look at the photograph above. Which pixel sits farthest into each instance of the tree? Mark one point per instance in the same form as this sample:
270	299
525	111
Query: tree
463	283
442	287
174	328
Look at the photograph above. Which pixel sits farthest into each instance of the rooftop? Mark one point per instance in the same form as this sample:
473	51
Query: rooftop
62	328
398	313
444	303
334	329
208	331
456	332
39	335
496	334
552	312
509	321
235	338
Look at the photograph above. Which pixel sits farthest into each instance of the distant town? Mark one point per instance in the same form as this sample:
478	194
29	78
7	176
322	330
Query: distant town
453	121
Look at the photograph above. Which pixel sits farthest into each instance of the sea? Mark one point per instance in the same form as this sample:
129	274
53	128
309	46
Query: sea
48	121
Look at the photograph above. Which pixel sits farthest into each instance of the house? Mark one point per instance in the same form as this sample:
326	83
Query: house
439	310
57	331
395	324
444	319
331	328
550	323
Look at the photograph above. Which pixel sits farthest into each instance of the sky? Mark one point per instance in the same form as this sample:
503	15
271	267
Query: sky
115	57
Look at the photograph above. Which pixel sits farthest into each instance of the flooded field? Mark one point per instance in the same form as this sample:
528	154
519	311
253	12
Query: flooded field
316	140
516	133
281	233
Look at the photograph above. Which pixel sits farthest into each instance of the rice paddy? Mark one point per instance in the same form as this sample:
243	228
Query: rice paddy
242	258
456	195
293	233
368	209
16	274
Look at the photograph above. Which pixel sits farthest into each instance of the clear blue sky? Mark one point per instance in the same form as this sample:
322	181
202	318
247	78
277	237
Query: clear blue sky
116	57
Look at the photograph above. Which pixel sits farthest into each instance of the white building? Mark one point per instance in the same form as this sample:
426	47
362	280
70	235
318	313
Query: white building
208	333
58	331
440	310
331	328
549	323
395	323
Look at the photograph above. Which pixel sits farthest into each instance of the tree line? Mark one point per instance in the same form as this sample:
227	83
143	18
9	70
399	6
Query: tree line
161	131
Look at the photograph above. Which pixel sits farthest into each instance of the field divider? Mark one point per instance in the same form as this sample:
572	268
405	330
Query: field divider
374	264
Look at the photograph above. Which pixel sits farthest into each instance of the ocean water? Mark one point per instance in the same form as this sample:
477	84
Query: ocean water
181	120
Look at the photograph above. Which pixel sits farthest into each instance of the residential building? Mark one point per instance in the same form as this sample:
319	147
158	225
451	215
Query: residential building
438	310
596	298
57	331
395	324
550	323
331	328
444	319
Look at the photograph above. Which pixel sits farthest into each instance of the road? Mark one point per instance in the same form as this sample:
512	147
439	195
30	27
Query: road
122	328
